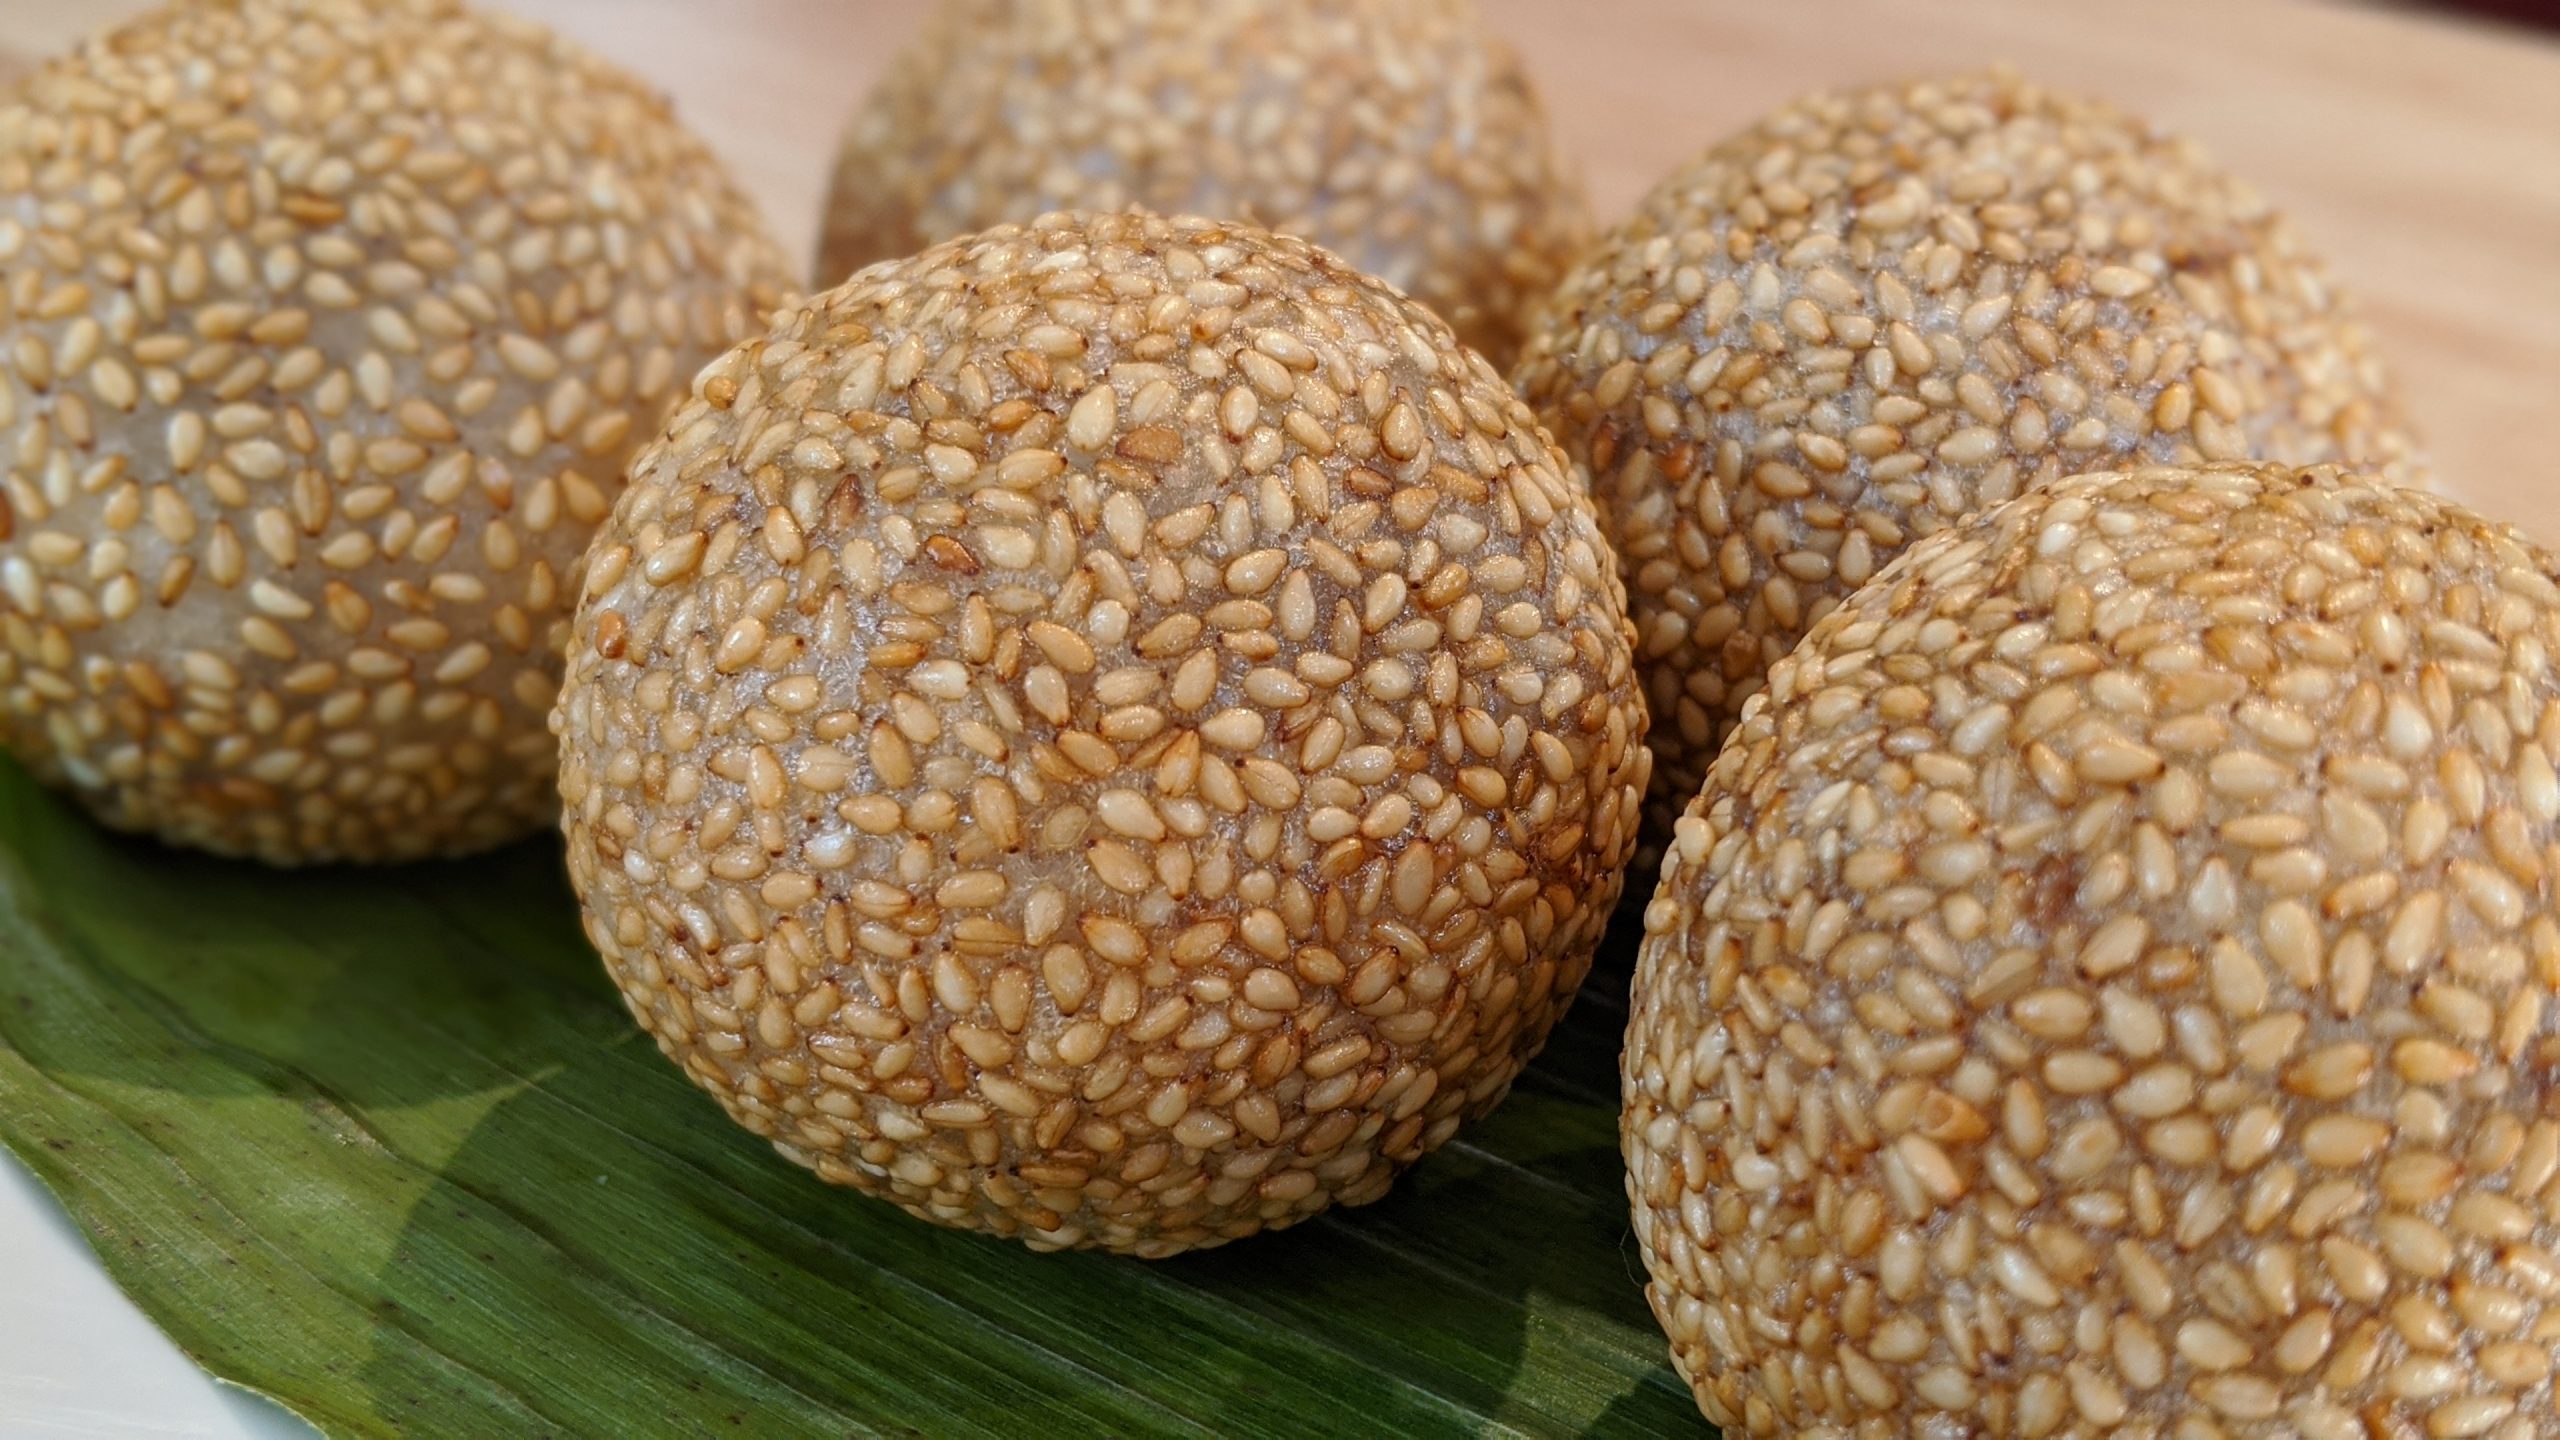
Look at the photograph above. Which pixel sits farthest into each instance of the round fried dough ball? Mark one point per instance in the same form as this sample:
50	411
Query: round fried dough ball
2110	984
1397	133
325	329
1118	733
1873	313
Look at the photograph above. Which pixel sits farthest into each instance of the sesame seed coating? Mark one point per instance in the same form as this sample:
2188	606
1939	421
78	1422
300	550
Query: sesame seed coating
2107	984
1875	312
1118	733
325	330
1397	133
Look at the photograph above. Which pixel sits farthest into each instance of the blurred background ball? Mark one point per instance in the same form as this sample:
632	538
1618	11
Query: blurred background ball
1397	133
1877	311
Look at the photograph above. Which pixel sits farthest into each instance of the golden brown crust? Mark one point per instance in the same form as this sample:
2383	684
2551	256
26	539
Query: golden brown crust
1399	135
1118	733
2110	979
1874	312
328	328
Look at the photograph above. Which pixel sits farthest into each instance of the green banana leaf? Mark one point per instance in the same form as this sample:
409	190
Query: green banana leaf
383	1145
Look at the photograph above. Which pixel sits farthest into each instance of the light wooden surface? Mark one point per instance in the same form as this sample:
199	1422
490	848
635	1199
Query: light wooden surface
2421	153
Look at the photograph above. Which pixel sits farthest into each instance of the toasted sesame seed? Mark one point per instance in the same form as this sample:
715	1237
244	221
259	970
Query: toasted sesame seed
2212	1140
1186	838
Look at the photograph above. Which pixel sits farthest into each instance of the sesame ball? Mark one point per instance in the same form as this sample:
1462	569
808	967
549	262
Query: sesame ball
1397	133
1118	733
1874	312
325	330
2107	984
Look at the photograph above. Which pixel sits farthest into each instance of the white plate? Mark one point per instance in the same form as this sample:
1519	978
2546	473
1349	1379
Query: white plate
78	1360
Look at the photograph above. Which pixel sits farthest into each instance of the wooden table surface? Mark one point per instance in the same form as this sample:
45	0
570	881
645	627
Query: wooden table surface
2421	153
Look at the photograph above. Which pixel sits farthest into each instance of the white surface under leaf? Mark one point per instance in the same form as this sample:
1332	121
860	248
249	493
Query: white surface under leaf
78	1362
